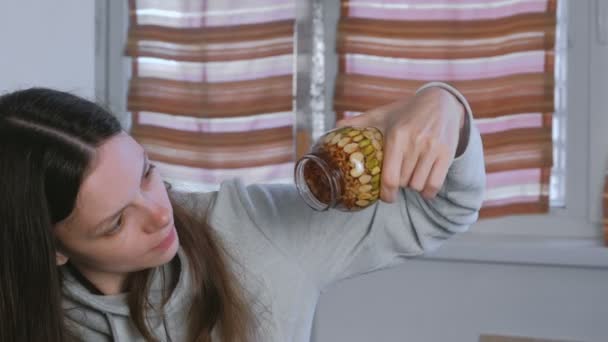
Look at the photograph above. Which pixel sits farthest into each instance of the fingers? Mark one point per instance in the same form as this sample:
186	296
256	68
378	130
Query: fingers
391	167
437	175
411	157
372	118
423	167
360	120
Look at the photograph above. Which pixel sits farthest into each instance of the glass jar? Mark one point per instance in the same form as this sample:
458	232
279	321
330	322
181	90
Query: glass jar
343	169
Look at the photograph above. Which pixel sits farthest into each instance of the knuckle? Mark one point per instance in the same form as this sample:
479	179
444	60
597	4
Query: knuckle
420	139
389	183
432	188
434	143
399	135
416	185
425	142
429	194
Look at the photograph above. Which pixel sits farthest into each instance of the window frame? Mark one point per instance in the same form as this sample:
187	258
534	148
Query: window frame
111	66
559	221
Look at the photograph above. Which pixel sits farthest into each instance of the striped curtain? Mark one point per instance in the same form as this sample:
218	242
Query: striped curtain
499	53
211	88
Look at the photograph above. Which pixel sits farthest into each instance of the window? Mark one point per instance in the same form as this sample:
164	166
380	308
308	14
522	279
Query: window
580	141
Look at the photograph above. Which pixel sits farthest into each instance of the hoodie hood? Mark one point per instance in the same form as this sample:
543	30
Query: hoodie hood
108	316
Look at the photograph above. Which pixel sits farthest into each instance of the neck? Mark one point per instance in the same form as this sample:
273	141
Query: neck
100	283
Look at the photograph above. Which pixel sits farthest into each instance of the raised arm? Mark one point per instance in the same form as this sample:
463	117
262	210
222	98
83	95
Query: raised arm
442	195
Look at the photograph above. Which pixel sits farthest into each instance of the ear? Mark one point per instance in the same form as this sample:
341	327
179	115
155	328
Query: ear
61	258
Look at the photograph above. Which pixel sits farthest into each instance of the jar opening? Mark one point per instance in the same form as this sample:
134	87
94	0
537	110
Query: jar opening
316	183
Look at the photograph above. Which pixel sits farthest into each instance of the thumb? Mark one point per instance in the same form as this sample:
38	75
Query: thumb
361	120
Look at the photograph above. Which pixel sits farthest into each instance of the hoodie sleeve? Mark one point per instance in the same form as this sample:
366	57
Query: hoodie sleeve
334	245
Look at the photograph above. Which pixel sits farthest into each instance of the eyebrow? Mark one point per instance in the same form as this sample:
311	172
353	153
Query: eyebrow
102	223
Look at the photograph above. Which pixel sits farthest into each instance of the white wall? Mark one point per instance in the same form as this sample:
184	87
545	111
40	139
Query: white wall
431	301
49	44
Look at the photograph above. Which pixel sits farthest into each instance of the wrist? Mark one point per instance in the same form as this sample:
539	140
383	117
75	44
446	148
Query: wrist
454	104
463	136
463	119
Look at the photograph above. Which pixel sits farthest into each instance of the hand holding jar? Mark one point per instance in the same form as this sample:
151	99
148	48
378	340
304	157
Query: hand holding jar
413	143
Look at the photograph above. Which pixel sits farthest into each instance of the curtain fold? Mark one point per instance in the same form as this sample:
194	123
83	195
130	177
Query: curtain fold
211	89
499	54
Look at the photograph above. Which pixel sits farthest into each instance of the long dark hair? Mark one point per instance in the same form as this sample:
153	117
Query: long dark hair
46	143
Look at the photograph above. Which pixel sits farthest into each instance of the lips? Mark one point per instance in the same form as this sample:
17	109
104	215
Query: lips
167	241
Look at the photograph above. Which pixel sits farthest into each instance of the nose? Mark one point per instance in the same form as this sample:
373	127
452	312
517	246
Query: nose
159	216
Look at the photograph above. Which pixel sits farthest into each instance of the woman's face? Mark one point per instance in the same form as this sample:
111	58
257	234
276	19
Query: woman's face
123	220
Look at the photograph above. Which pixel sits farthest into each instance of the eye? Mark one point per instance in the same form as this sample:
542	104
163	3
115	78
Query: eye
116	227
150	169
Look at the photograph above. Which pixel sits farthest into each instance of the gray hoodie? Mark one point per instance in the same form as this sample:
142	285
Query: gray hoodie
286	253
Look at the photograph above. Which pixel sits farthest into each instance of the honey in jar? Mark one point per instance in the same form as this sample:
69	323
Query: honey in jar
343	169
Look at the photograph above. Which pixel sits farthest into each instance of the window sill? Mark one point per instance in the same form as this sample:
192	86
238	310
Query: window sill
520	249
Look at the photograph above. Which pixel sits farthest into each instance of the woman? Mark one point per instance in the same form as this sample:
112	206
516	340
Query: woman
94	248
